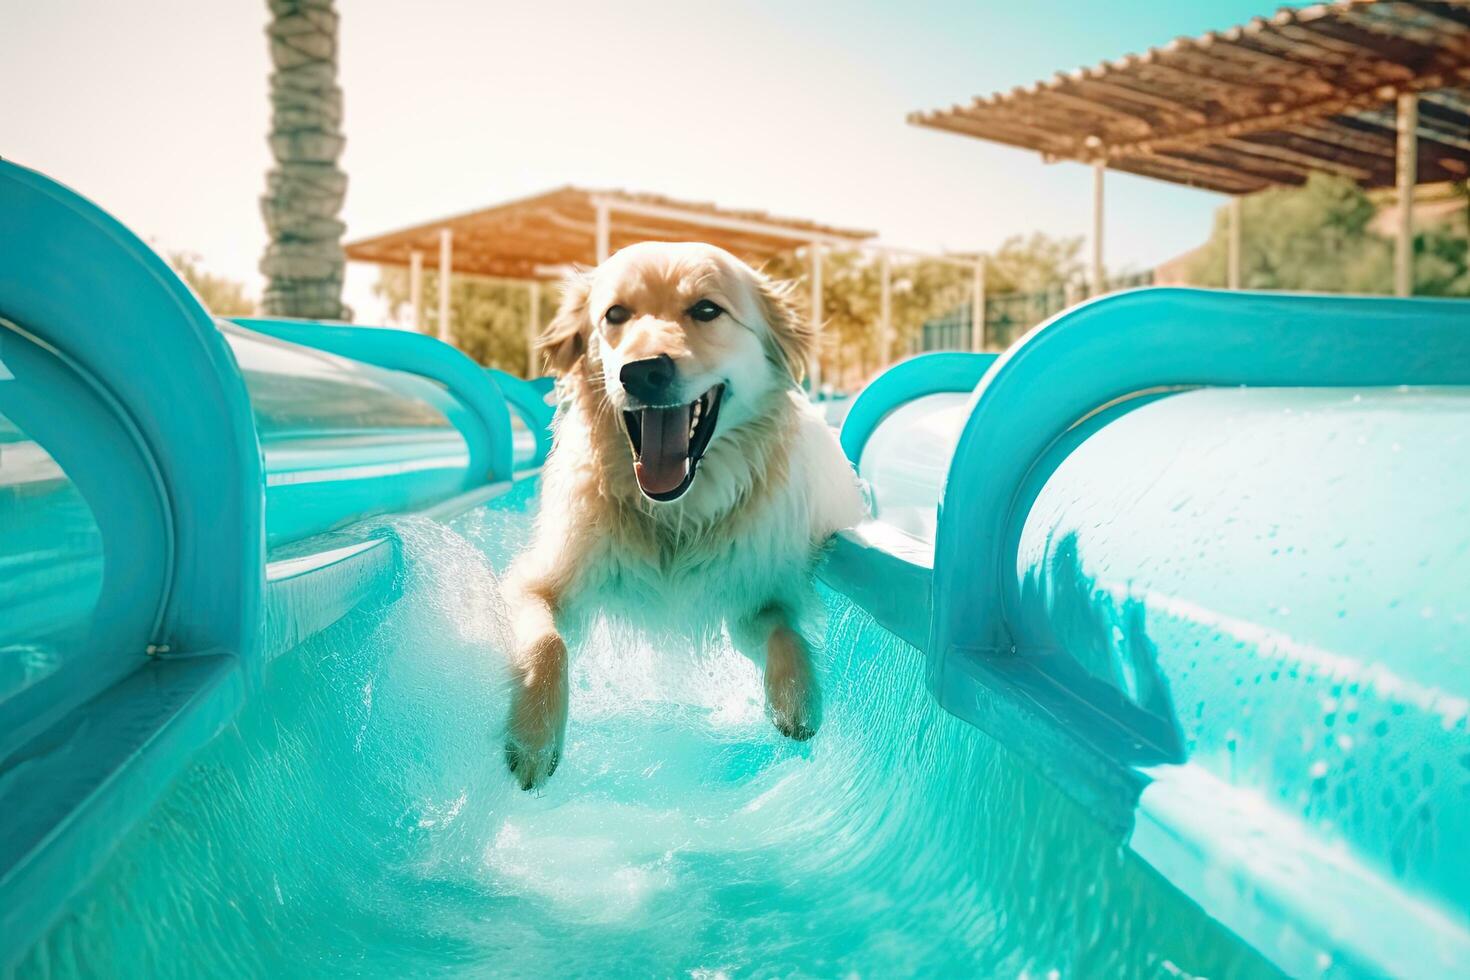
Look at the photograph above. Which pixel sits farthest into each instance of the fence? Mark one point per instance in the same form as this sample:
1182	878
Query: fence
1009	315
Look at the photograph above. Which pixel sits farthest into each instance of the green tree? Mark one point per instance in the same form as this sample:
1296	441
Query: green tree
491	317
1030	263
922	289
851	348
221	296
1319	237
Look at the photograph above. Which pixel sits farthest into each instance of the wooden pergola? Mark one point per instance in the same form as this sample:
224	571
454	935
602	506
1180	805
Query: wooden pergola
1374	90
538	238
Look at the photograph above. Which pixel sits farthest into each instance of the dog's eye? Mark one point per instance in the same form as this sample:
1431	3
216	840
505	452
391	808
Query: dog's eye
704	311
617	315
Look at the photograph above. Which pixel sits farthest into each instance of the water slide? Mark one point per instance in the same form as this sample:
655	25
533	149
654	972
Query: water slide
1155	657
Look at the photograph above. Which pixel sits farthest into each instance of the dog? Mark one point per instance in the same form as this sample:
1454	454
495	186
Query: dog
690	482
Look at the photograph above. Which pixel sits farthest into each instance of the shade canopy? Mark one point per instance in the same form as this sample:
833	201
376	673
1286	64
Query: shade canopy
1263	104
538	237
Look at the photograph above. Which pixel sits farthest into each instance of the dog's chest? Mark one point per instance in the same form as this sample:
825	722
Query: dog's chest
712	580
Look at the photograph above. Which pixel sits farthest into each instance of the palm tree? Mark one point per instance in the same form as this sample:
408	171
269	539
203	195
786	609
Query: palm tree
303	264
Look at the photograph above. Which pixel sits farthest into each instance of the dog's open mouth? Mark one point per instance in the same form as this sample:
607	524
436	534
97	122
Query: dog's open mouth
669	442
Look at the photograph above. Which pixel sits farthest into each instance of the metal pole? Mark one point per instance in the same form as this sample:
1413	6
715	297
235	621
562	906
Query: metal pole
604	232
1232	213
533	328
977	310
1097	227
1407	175
885	307
416	288
446	249
814	370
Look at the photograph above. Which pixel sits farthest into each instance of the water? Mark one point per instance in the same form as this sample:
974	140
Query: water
359	821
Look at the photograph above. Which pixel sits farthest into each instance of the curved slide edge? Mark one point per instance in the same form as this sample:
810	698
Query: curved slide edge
528	398
1296	890
103	309
1148	339
491	453
923	374
74	277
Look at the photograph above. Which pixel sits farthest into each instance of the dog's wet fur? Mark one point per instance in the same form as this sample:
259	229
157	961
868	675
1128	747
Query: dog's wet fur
690	483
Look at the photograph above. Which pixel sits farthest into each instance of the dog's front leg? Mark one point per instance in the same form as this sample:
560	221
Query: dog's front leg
538	705
793	699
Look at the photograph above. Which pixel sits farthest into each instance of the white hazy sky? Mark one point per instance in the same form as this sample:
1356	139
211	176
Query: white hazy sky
157	110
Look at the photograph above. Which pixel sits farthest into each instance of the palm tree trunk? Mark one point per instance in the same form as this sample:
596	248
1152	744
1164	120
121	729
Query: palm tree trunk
303	263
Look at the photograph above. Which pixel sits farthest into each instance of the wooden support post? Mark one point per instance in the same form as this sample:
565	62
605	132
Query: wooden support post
1097	228
446	264
885	308
814	370
1407	173
1232	272
604	232
416	288
533	328
977	308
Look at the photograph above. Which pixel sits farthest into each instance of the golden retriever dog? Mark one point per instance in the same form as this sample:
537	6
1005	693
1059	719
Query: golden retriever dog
690	483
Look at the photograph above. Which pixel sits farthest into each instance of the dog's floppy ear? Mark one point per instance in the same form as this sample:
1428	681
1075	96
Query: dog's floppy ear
790	338
564	340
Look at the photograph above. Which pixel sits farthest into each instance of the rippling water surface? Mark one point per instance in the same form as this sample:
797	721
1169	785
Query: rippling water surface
359	820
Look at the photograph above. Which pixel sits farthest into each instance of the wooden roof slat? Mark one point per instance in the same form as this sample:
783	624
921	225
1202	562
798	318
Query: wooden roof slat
1446	109
1424	33
1273	97
1222	159
1180	83
530	237
1306	161
1376	163
1319	44
1339	138
1457	100
1009	130
1427	132
1044	115
1294	62
1451	13
1296	50
1205	174
1395	54
1326	107
1131	119
1192	174
1123	92
1240	69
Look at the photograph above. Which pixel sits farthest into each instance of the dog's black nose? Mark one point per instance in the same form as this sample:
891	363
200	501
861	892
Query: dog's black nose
650	380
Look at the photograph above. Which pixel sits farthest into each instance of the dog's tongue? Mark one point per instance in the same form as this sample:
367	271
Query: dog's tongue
665	449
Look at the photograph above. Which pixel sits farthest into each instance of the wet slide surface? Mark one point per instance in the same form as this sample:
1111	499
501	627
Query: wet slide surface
359	820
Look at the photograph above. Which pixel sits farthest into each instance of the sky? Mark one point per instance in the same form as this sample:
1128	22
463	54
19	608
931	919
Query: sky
158	111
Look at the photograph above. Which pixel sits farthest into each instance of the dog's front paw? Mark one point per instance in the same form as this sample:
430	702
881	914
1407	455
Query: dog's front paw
793	713
537	725
531	768
533	743
792	698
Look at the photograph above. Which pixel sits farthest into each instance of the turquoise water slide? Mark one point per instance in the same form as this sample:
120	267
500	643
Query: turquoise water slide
1155	655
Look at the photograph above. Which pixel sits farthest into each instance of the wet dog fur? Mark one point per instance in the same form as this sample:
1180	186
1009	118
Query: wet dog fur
723	540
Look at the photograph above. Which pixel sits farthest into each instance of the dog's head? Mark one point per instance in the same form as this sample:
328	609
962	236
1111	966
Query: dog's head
685	342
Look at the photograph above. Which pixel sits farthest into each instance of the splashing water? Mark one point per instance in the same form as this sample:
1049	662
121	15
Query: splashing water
358	819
